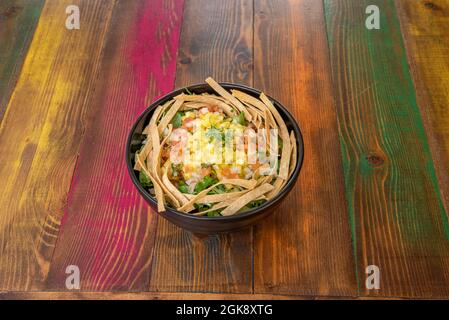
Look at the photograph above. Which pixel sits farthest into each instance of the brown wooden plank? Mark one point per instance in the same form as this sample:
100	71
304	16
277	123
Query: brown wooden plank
399	220
305	247
40	136
424	28
216	41
18	20
149	296
108	229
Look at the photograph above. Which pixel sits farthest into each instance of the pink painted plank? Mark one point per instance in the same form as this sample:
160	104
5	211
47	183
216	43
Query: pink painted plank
107	229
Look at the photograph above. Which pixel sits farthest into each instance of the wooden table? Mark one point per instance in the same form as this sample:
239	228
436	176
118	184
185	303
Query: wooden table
373	106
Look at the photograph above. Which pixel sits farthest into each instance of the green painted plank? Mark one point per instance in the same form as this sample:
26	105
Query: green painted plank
398	219
18	20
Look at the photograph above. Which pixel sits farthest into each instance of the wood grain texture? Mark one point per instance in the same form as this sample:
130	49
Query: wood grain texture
398	218
216	41
40	136
424	29
18	20
108	230
147	296
304	248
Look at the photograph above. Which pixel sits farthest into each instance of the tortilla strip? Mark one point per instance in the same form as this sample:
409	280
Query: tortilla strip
278	184
239	203
264	179
148	146
165	106
246	98
193	105
169	116
189	205
208	100
222	205
217	206
252	109
155	164
294	156
143	154
153	119
247	184
157	188
286	149
178	194
213	198
267	127
225	94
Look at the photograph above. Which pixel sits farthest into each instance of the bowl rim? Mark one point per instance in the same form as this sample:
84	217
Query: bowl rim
227	85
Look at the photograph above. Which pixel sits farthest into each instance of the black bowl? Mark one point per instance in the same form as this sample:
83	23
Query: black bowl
204	224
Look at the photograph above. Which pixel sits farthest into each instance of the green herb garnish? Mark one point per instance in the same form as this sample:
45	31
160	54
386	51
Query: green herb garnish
183	187
204	184
145	181
218	189
240	119
214	213
177	119
202	206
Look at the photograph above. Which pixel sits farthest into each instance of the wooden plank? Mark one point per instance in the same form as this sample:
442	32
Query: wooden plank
398	218
73	295
18	20
216	41
305	248
424	26
108	230
40	136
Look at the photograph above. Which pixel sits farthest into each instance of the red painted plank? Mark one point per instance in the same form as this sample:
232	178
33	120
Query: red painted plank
107	229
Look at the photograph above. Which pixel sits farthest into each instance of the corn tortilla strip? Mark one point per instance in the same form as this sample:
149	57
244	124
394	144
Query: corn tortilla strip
169	116
143	153
286	148
225	94
239	203
189	205
277	186
155	115
294	156
213	198
264	179
193	105
247	184
267	127
178	194
208	100
157	188
217	206
148	146
252	109
222	205
227	102
246	98
165	106
155	167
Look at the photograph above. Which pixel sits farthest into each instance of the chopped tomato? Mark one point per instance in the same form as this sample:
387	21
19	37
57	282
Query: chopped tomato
212	108
255	166
227	173
165	153
206	171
